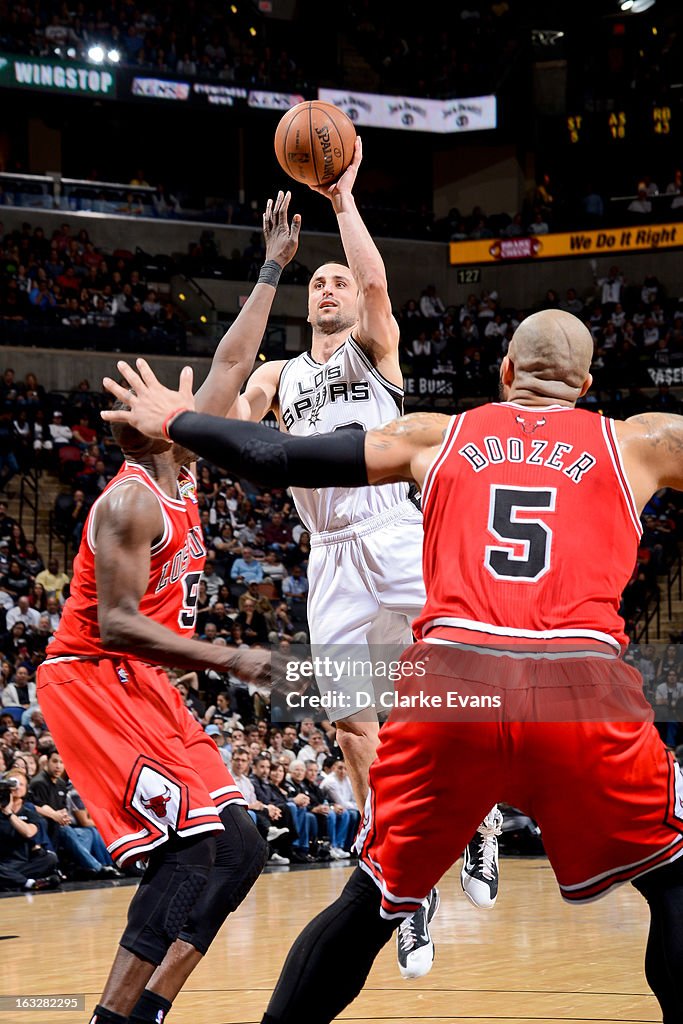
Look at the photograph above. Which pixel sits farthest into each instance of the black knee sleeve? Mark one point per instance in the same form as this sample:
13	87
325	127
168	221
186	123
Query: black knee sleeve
175	878
241	854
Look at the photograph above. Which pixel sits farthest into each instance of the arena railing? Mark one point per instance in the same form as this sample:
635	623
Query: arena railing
674	576
651	613
29	500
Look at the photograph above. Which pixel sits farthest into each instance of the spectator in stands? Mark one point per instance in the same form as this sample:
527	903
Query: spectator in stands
298	798
266	819
20	691
273	567
278	535
290	814
431	307
53	611
611	288
246	569
83	433
315	749
333	817
593	207
218	738
669	703
212	581
641	205
52	580
85	830
572	303
253	624
48	792
9	445
60	433
15	581
295	588
23	612
336	787
190	699
24	863
539	226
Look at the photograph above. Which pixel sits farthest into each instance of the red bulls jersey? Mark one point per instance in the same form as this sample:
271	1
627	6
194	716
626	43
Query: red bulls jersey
531	528
177	561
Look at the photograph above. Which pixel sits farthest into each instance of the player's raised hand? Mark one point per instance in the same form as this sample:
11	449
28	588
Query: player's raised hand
345	181
282	238
148	404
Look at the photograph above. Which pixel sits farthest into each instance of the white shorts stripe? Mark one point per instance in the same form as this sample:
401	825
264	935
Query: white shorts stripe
523	634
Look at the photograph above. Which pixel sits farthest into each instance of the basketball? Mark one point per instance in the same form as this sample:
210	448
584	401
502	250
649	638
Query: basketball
314	142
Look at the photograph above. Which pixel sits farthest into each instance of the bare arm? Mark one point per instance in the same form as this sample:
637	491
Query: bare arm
405	448
45	811
652	449
234	358
24	828
128	522
83	818
259	395
377	330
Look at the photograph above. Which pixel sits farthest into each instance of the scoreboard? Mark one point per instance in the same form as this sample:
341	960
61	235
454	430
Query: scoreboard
622	125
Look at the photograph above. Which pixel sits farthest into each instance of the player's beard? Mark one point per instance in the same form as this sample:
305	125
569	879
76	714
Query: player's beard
341	321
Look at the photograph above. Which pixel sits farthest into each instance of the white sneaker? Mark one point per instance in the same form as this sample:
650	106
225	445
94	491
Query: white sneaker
274	833
334	853
276	858
342	854
479	874
414	945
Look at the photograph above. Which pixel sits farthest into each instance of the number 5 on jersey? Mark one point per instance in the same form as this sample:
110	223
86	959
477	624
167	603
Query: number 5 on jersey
512	525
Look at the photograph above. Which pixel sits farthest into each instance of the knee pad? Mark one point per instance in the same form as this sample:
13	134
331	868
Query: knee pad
241	854
175	878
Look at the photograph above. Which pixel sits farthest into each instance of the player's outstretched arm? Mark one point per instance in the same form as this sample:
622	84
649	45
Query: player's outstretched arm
234	358
127	523
401	450
377	330
652	449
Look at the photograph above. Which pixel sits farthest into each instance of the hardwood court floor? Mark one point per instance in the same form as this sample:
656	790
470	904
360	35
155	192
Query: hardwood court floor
531	959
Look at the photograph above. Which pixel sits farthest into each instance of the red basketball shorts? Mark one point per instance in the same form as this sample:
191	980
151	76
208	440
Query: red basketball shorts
141	763
607	795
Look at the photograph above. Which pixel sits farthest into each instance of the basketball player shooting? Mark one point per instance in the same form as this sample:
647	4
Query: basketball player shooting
511	595
153	780
365	567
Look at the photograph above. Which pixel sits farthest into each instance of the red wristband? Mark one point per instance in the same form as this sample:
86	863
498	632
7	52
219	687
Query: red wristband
171	416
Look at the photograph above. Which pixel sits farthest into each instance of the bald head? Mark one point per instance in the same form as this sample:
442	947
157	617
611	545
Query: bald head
550	355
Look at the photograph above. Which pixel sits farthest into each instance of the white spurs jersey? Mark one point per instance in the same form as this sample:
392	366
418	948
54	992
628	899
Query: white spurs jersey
346	392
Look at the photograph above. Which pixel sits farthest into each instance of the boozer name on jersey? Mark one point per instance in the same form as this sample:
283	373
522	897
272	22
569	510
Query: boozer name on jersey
176	564
344	393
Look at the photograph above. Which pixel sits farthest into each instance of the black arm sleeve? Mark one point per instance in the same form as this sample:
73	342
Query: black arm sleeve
273	458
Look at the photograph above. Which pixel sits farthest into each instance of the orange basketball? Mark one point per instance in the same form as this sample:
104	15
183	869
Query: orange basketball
314	142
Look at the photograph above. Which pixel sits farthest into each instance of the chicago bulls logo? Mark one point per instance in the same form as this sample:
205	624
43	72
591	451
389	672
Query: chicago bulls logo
527	427
157	804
